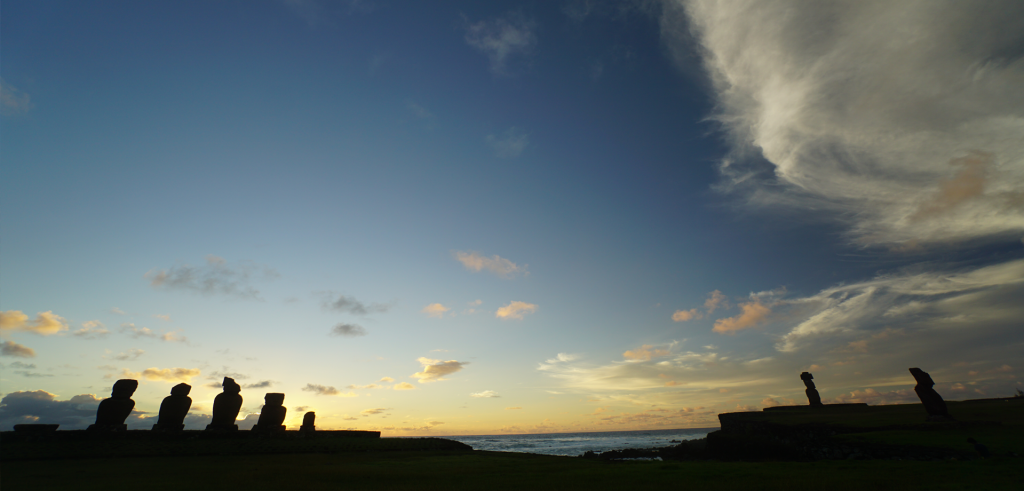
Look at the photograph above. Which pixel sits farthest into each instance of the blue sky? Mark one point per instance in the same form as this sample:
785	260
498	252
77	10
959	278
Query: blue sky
508	216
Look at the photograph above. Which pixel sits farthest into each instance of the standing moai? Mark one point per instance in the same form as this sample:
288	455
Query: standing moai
308	422
226	406
174	409
931	400
812	393
114	410
272	414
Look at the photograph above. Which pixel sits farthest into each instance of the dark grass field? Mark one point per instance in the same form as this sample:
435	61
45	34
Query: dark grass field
495	470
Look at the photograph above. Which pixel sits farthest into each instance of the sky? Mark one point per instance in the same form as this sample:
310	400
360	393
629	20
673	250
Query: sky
444	218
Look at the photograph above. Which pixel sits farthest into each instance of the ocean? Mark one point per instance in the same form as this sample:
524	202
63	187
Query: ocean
573	444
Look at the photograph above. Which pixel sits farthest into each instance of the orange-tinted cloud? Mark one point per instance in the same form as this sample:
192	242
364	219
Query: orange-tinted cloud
515	310
685	315
645	353
753	313
45	323
715	300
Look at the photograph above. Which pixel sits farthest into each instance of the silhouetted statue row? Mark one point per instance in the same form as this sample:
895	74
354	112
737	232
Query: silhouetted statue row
113	411
930	399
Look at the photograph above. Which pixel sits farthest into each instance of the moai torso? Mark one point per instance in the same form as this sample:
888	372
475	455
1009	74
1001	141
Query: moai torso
174	408
931	400
226	405
113	411
273	413
812	393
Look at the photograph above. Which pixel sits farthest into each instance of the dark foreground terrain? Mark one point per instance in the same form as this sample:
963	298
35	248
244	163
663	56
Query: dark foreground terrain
856	448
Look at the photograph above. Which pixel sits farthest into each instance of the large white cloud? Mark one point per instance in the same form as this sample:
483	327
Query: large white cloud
905	119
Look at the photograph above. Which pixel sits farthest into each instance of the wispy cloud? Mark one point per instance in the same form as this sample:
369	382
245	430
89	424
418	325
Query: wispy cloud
115	310
906	145
503	268
326	390
515	310
647	352
348	330
686	315
92	330
44	324
371	412
404	386
435	370
487	394
350	305
509	144
503	39
10	348
136	332
215	277
130	355
171	374
12	100
435	310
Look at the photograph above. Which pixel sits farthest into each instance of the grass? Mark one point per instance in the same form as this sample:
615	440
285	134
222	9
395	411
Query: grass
494	470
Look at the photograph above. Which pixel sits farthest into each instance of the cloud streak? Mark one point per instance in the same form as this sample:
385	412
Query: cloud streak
215	277
515	310
896	118
435	370
501	267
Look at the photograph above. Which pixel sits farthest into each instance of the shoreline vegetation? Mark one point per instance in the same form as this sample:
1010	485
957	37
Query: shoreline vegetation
884	447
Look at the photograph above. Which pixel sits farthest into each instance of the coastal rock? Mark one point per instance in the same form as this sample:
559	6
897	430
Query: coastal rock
812	393
226	406
174	408
273	413
931	400
114	410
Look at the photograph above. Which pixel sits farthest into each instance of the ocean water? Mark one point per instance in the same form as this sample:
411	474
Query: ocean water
573	444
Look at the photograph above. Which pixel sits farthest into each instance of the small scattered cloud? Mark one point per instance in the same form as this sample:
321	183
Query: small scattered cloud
503	40
435	310
12	100
44	324
386	379
563	358
753	314
509	144
686	315
419	111
646	353
367	386
715	301
515	310
117	311
170	374
262	384
435	370
136	332
91	330
404	386
487	394
10	348
476	262
216	277
370	412
165	317
348	330
326	390
351	305
131	355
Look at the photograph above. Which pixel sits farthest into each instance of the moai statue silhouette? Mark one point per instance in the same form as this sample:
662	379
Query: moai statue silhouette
308	421
931	400
113	411
174	408
226	406
812	393
273	413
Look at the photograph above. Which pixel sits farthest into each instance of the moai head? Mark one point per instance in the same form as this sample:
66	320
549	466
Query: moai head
181	390
273	399
124	388
922	377
308	419
805	376
230	387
